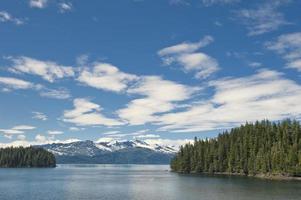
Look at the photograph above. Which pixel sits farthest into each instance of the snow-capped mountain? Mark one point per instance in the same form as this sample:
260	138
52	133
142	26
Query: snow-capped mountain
130	151
118	145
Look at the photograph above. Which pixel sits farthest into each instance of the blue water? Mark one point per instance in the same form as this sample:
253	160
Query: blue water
133	182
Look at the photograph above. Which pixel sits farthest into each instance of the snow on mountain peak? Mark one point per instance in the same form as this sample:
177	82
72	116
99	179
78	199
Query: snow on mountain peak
91	148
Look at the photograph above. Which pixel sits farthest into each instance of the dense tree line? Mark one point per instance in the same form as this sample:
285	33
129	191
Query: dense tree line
251	149
26	157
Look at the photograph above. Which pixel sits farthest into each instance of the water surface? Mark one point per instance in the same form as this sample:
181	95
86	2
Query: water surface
133	182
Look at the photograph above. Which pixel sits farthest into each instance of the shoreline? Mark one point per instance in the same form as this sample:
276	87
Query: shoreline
280	177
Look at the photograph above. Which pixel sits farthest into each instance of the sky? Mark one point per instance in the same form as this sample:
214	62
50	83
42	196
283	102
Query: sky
162	71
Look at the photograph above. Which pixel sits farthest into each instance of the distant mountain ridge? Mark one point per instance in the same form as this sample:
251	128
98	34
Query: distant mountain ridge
114	152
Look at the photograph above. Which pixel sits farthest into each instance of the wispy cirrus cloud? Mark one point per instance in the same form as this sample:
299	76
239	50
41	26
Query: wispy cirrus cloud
255	64
23	127
264	18
218	2
140	134
206	3
111	133
55	132
7	17
60	93
65	7
159	96
87	113
62	6
289	47
179	2
10	83
186	47
48	70
21	137
39	140
16	130
38	3
186	55
73	128
147	136
265	95
39	116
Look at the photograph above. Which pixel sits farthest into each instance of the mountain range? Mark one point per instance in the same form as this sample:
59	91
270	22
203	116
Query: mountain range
113	152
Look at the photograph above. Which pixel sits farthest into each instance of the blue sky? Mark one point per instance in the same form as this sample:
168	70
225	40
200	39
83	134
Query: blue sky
163	71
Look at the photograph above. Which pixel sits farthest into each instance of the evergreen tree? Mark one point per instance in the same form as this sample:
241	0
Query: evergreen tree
259	148
26	157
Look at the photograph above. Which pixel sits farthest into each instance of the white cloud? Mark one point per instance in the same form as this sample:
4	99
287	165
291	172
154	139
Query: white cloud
82	59
87	113
54	132
11	131
8	136
111	132
60	93
39	140
48	70
72	128
185	55
38	3
159	96
14	83
147	136
203	64
106	139
264	18
265	95
220	2
23	127
186	47
289	46
142	131
65	7
179	2
43	139
16	130
6	17
21	137
106	77
217	23
39	116
119	135
255	64
16	143
7	84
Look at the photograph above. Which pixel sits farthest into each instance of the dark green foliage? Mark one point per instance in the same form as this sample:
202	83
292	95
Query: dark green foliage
26	157
252	149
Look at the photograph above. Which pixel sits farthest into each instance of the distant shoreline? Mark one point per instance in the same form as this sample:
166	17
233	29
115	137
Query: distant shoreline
259	176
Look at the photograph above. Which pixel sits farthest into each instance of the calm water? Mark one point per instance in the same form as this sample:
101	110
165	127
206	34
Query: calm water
131	182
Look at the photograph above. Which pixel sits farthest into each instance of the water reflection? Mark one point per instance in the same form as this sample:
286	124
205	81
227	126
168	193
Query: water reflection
133	182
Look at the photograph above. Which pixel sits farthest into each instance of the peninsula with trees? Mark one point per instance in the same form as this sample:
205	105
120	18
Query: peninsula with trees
262	149
29	157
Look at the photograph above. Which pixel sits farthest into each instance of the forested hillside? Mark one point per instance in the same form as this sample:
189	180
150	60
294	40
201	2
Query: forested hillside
251	149
26	157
